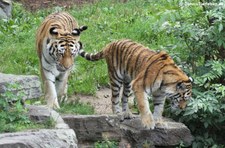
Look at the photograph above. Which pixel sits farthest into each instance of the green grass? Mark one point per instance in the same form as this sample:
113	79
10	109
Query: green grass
139	20
76	108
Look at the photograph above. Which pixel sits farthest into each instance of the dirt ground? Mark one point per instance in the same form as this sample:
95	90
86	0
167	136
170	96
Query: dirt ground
101	101
34	5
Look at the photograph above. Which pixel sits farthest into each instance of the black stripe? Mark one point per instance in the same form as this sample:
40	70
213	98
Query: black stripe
139	55
114	85
88	57
48	70
130	57
145	75
51	80
126	95
156	104
116	95
46	59
118	48
82	53
161	58
47	41
121	57
159	71
117	78
127	52
125	101
115	103
169	83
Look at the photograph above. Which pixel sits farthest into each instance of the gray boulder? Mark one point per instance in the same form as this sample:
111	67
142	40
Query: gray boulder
43	138
5	8
92	128
59	137
41	114
29	86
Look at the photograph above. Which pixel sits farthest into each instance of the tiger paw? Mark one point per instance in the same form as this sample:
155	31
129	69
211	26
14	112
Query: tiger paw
63	99
157	119
126	115
56	104
148	121
161	125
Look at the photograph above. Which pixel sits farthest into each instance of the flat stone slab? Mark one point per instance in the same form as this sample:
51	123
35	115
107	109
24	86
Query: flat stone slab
92	128
43	138
41	114
27	85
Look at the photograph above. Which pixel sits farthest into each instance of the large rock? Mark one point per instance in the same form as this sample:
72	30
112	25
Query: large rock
29	86
44	138
41	114
5	8
59	137
90	129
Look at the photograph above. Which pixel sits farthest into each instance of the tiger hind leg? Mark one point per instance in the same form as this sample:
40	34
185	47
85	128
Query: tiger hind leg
126	113
115	88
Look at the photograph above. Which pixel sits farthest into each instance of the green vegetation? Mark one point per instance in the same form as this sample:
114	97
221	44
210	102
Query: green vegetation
106	144
76	108
192	31
13	115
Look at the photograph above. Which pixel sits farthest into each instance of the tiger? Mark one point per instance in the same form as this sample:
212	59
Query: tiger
145	72
57	44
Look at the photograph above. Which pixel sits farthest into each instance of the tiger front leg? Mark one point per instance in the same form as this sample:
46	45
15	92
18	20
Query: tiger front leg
61	87
158	102
143	105
51	95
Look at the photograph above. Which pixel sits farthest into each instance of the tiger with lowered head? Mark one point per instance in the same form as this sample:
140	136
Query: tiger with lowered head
132	65
57	43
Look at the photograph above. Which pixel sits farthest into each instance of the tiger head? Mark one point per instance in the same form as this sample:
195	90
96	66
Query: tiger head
177	88
64	46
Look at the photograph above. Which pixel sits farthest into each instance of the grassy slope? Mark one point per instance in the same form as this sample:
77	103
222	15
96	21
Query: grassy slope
139	20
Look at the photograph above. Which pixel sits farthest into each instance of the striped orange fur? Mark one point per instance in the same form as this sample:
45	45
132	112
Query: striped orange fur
147	72
57	42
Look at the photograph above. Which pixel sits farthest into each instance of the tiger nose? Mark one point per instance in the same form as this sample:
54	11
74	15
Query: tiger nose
68	66
182	104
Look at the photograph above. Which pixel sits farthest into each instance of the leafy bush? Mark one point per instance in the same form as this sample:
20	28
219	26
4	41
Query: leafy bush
12	112
203	34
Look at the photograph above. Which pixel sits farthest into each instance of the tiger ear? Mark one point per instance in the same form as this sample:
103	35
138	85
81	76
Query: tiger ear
82	28
181	86
191	79
53	31
76	32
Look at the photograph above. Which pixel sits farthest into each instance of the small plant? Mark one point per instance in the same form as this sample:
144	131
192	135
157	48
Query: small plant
106	144
12	112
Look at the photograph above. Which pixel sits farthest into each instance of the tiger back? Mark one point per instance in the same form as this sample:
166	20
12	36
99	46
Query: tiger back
146	72
57	43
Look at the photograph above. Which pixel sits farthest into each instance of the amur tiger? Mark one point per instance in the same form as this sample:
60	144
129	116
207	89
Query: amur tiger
57	43
132	65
